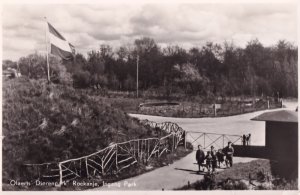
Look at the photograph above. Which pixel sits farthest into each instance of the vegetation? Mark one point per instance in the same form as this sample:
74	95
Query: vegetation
130	172
208	71
50	123
256	175
53	122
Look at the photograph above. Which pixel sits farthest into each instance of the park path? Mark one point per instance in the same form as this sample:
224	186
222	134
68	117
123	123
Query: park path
184	170
169	177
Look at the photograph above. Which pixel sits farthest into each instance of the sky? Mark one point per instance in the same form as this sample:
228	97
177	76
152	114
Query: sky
188	25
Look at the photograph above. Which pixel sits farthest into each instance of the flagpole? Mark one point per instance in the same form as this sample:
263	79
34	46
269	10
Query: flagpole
46	39
137	76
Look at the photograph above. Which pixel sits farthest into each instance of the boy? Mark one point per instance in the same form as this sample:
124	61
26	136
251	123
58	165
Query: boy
209	161
228	150
214	160
220	157
200	156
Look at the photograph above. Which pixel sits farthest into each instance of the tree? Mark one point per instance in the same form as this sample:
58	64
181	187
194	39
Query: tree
95	63
213	69
149	62
9	64
77	64
129	83
190	77
34	66
81	79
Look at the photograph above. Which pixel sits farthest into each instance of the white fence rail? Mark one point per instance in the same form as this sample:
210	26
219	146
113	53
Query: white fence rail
111	160
206	140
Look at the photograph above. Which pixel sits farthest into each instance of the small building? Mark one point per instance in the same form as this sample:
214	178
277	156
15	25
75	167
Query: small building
282	140
11	73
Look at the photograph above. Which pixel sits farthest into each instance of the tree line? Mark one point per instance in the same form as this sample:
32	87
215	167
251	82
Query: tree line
210	70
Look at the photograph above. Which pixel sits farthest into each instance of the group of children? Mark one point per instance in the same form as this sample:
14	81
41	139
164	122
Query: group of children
214	159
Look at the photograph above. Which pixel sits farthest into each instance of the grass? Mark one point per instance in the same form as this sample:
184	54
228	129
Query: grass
238	177
51	123
243	170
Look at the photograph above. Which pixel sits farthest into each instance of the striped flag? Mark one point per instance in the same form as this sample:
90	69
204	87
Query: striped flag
59	45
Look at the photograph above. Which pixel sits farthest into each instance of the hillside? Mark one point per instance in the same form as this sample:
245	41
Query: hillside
46	123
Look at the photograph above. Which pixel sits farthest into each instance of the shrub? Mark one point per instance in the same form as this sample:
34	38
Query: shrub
283	184
48	122
208	183
81	79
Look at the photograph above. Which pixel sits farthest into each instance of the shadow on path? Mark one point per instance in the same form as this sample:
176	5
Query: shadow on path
191	171
217	167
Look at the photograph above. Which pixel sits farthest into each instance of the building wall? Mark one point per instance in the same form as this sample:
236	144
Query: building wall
282	140
282	145
250	151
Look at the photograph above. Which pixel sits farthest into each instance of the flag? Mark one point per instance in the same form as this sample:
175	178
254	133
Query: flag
59	46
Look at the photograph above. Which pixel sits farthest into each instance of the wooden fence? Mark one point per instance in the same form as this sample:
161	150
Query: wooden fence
111	160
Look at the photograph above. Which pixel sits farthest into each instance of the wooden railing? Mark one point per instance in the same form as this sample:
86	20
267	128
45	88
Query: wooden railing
111	160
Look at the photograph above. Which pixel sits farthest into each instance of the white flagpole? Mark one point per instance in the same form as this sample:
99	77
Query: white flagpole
137	76
46	39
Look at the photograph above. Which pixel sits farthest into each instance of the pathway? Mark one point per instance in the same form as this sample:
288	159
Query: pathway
169	177
183	171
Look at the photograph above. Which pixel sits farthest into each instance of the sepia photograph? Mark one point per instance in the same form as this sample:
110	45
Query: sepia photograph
150	96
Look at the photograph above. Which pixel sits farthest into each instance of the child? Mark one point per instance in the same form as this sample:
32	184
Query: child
200	156
229	151
209	160
220	157
214	160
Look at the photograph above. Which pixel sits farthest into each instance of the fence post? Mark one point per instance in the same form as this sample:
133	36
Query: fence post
117	157
223	139
173	144
215	110
204	140
185	139
87	168
102	165
148	149
60	175
138	150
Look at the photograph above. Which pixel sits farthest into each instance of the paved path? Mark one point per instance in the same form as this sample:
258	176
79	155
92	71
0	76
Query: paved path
180	172
169	177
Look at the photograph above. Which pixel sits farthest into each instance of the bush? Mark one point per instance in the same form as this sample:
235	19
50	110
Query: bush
208	183
230	184
48	122
81	79
283	184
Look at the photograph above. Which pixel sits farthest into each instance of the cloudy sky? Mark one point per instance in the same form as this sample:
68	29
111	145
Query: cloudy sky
87	26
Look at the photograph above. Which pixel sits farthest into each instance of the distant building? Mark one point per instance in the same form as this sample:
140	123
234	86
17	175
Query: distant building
282	140
11	73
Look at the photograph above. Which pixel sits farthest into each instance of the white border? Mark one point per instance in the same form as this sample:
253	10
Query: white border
293	2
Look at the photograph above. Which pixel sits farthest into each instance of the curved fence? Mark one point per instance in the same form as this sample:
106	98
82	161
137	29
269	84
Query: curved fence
111	160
